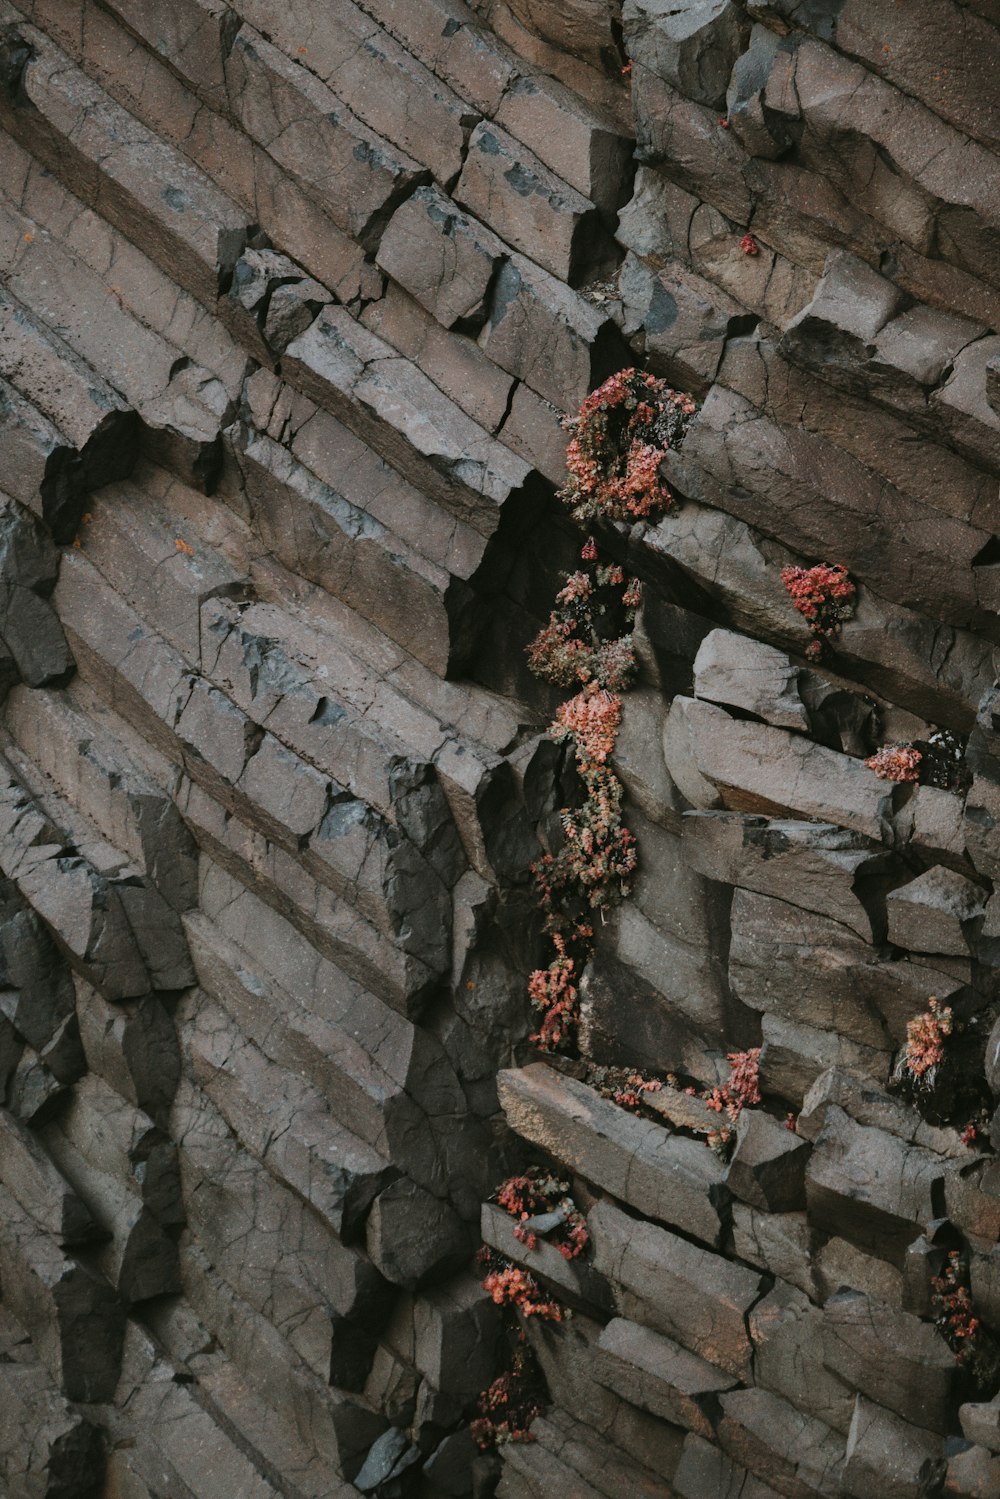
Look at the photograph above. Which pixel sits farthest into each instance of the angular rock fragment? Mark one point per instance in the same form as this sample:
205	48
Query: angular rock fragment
767	1166
504	184
673	1179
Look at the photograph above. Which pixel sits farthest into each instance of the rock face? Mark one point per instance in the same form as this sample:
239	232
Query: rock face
293	303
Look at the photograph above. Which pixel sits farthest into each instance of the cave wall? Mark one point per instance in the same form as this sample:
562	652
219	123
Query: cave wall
292	300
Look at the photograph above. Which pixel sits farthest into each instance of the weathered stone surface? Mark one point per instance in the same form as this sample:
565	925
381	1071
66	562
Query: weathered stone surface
289	112
871	1106
797	1454
653	1372
76	1318
887	1456
868	1185
444	258
971	1470
285	1126
717	760
896	1360
767	1167
381	396
45	1445
740	673
581	144
705	1472
708	1297
678	320
817	867
32	1178
805	968
504	184
677	1181
693	48
981	1423
383	83
411	1237
124	171
931	912
785	1326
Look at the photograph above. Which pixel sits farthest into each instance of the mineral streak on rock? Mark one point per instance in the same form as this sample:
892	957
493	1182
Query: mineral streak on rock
295	302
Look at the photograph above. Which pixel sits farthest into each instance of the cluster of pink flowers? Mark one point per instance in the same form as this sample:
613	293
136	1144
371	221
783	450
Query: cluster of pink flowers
554	994
511	1403
743	1087
749	245
509	1285
896	762
973	1345
925	1038
618	441
593	719
569	651
824	595
538	1192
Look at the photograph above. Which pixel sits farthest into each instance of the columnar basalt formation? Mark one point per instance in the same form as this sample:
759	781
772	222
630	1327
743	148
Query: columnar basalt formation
293	300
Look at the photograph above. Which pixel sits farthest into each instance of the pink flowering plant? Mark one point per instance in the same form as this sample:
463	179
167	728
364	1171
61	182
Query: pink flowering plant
825	596
896	762
542	1206
513	1400
618	440
975	1348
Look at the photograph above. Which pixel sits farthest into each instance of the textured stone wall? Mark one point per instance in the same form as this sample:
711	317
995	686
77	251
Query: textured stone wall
292	300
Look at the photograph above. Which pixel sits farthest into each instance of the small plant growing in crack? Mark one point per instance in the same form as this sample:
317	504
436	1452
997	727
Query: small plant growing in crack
825	596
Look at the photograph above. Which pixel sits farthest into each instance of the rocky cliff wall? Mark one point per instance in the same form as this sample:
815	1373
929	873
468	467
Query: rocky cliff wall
292	301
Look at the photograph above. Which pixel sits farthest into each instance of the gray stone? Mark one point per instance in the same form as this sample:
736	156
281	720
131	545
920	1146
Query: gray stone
76	1318
887	1458
30	1175
767	1167
871	1187
720	761
786	1327
815	866
692	47
932	912
651	1371
697	1298
506	186
413	1238
736	672
674	1180
895	1359
981	1423
796	1453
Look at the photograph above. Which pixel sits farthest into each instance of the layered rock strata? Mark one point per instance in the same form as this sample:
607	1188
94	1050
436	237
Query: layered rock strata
292	301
